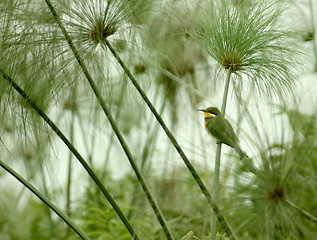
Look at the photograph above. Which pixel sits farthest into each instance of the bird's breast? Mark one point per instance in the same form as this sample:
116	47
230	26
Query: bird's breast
208	122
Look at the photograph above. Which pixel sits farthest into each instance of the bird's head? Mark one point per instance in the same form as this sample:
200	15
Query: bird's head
210	112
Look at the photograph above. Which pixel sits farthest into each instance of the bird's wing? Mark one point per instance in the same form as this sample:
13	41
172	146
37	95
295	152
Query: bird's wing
231	131
223	131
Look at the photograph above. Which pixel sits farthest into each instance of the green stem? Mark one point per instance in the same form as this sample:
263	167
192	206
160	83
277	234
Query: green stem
83	131
302	211
225	93
114	126
150	141
148	147
92	139
69	172
39	150
239	122
44	199
250	119
117	117
175	144
216	186
70	159
47	210
75	152
314	31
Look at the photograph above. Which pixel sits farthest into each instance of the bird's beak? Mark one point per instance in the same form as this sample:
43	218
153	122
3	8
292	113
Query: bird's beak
202	110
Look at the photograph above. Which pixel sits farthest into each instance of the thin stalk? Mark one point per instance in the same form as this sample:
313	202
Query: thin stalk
117	116
69	172
203	150
83	131
248	114
314	30
75	152
302	212
215	195
69	177
42	171
92	141
193	100
175	144
225	93
88	143
47	210
70	159
149	145
239	117
45	200
150	142
216	186
114	126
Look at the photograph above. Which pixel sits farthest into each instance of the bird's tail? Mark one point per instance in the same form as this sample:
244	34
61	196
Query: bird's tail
242	154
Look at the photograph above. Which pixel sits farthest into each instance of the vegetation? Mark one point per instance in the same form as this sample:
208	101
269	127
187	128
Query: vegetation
96	96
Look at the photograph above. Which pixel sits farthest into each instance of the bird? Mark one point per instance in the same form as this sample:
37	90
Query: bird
219	127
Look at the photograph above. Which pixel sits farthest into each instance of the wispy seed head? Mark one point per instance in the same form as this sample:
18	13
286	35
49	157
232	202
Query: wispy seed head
231	61
100	31
276	194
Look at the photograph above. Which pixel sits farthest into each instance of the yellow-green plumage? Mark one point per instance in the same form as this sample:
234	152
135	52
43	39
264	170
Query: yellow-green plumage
221	129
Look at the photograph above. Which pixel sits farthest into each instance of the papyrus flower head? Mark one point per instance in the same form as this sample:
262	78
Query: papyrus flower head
248	40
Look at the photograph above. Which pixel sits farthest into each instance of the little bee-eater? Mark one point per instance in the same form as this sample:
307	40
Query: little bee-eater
221	129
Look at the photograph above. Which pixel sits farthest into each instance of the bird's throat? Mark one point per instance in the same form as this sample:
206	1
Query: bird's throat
208	115
207	120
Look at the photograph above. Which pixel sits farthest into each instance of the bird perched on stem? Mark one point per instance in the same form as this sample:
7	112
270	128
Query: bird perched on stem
221	129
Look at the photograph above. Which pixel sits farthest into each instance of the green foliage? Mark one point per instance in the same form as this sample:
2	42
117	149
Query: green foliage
28	220
98	219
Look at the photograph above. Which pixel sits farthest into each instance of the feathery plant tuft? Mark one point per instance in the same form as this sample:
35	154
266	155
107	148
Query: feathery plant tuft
31	52
248	40
273	201
270	198
89	23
